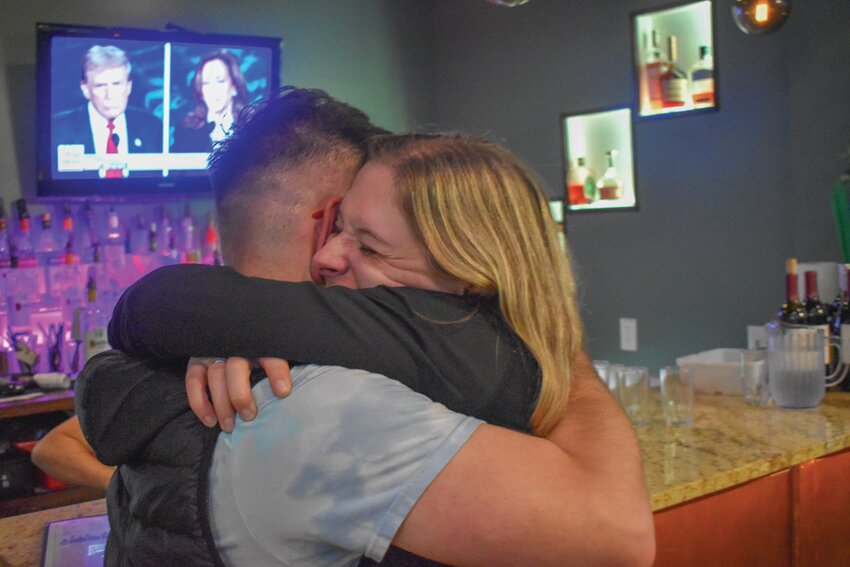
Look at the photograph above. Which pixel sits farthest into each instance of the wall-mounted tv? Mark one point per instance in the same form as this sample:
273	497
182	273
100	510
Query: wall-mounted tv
126	112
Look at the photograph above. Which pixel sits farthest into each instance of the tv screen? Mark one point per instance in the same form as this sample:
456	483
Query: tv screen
136	112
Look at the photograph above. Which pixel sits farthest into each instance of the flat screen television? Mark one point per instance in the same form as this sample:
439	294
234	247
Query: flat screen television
131	112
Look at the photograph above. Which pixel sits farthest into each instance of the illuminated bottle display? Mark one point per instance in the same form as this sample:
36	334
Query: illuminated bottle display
653	68
674	82
610	186
702	79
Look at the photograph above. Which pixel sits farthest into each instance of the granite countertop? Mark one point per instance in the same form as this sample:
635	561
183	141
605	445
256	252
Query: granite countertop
731	443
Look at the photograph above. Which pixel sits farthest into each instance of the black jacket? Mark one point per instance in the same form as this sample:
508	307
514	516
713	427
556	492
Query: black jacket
456	350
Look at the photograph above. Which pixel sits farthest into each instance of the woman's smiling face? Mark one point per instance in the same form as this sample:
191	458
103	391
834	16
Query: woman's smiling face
373	243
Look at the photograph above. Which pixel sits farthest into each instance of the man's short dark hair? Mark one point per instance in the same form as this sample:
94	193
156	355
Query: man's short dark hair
295	126
291	130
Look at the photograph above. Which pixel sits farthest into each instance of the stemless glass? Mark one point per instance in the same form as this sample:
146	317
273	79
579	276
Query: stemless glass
677	396
633	391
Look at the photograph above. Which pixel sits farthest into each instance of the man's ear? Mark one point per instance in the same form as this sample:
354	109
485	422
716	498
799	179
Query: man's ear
321	232
85	88
327	219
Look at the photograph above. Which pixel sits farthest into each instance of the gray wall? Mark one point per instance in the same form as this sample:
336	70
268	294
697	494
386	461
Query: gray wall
377	55
723	197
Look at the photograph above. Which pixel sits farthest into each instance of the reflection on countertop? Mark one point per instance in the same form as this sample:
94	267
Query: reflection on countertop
731	443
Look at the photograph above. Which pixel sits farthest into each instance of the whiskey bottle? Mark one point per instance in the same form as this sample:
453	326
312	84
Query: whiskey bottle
674	82
610	187
702	79
653	69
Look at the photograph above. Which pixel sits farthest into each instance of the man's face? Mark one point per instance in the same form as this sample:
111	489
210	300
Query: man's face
108	90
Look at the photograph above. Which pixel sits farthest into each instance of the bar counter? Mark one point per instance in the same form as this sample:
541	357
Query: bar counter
731	443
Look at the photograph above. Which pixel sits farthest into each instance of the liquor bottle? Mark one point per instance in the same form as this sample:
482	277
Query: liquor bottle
702	79
575	183
5	249
96	320
653	68
24	252
152	239
46	247
187	234
674	81
88	242
210	250
792	311
113	252
610	186
68	236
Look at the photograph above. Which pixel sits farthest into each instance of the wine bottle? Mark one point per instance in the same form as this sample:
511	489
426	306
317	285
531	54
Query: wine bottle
674	82
652	71
816	312
702	79
792	311
610	186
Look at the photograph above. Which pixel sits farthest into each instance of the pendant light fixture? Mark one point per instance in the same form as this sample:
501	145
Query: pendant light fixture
760	16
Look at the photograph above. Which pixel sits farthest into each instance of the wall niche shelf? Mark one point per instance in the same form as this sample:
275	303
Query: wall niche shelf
599	160
673	54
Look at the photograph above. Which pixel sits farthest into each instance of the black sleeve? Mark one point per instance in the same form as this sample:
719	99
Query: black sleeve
432	342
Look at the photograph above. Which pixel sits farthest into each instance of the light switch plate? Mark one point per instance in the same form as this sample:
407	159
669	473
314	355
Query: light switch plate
628	334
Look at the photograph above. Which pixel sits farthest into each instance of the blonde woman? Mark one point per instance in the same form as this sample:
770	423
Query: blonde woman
445	274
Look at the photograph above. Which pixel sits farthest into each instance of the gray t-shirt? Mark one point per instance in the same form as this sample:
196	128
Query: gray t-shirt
329	473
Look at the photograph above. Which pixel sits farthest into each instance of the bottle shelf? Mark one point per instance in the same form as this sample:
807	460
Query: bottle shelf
599	160
678	78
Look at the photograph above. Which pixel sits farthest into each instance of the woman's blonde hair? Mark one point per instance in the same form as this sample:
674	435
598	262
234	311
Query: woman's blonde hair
485	221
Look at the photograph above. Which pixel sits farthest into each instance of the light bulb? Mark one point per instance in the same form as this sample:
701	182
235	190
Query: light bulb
760	16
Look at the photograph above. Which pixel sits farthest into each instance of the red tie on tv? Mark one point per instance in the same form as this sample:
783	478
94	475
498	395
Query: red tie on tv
112	148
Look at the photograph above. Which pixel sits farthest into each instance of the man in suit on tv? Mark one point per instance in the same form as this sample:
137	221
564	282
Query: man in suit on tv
106	125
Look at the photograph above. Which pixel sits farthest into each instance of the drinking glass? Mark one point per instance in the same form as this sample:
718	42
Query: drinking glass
754	377
633	391
677	396
601	367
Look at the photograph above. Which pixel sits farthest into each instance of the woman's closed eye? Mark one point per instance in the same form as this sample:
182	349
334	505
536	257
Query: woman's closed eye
366	251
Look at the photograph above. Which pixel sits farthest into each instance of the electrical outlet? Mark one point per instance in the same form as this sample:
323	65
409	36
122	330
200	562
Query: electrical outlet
628	334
